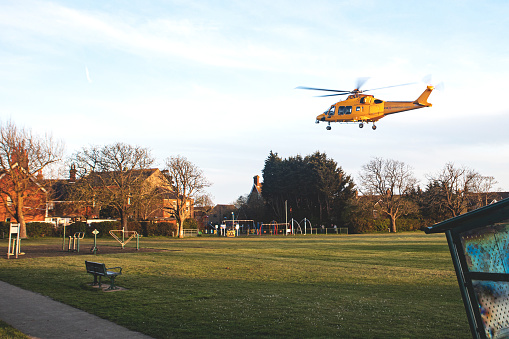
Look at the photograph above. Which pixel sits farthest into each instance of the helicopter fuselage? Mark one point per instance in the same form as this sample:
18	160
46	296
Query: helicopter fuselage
365	108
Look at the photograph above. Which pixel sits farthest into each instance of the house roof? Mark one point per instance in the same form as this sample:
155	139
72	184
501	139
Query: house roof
477	218
61	187
105	178
30	176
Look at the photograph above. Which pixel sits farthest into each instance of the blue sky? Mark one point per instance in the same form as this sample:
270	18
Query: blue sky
215	80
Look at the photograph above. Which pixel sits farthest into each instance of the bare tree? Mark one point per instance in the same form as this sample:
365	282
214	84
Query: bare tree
188	183
388	182
483	190
23	156
113	176
454	187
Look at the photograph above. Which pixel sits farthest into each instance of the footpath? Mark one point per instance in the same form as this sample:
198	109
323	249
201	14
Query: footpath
42	317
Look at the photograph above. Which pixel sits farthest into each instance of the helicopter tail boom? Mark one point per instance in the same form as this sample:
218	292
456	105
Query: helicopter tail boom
423	98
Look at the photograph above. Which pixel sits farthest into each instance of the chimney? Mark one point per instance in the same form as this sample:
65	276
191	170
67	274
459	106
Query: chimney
256	180
72	173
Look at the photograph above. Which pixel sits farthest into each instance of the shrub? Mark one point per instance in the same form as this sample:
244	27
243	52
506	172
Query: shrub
78	226
4	229
135	226
104	227
40	229
166	229
190	223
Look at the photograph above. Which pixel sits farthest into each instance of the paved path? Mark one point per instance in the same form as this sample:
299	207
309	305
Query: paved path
42	317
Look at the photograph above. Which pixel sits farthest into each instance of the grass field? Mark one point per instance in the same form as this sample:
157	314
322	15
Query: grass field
353	286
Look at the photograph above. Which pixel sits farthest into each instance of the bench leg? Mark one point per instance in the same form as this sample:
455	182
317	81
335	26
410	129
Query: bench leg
95	280
112	283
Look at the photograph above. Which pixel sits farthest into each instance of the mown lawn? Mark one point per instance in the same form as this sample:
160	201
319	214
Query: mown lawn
353	286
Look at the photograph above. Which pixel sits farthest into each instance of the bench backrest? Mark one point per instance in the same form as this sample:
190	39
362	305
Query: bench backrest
95	267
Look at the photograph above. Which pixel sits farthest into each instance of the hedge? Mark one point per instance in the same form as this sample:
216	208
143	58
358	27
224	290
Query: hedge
34	229
43	229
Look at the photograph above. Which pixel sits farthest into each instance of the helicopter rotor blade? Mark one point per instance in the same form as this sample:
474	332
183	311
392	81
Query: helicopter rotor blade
322	89
332	95
374	89
361	81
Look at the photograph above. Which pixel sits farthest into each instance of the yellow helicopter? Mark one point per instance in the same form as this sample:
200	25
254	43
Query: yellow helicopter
364	108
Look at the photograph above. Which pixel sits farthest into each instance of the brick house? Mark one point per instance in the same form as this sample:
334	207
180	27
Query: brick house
256	191
156	205
34	196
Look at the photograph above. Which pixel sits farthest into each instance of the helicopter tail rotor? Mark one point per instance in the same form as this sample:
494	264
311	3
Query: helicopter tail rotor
428	81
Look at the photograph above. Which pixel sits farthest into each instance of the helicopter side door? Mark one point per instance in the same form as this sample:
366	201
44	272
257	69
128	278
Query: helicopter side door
343	112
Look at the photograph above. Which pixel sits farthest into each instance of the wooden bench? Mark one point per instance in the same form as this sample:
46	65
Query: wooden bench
100	270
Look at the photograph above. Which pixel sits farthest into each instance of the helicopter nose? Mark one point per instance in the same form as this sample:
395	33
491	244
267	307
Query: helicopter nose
321	117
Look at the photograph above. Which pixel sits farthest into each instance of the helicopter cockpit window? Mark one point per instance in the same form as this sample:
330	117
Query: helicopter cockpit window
341	110
348	109
331	110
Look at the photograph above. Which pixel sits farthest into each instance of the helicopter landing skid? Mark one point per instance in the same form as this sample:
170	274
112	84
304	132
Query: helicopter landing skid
361	124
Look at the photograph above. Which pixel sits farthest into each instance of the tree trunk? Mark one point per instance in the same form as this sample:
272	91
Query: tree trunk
123	221
20	217
393	224
180	229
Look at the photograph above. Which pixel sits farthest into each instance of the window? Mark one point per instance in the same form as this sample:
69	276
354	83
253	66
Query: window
358	108
348	109
341	110
331	110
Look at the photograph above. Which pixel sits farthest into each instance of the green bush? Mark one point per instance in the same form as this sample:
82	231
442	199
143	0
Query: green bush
104	227
40	229
190	223
78	226
4	229
135	226
166	229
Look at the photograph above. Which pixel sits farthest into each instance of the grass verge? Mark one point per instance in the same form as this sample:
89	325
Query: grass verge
8	332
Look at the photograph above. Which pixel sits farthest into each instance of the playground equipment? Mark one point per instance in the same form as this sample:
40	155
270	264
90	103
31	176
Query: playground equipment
274	228
306	222
15	249
74	242
126	237
239	226
94	249
63	239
